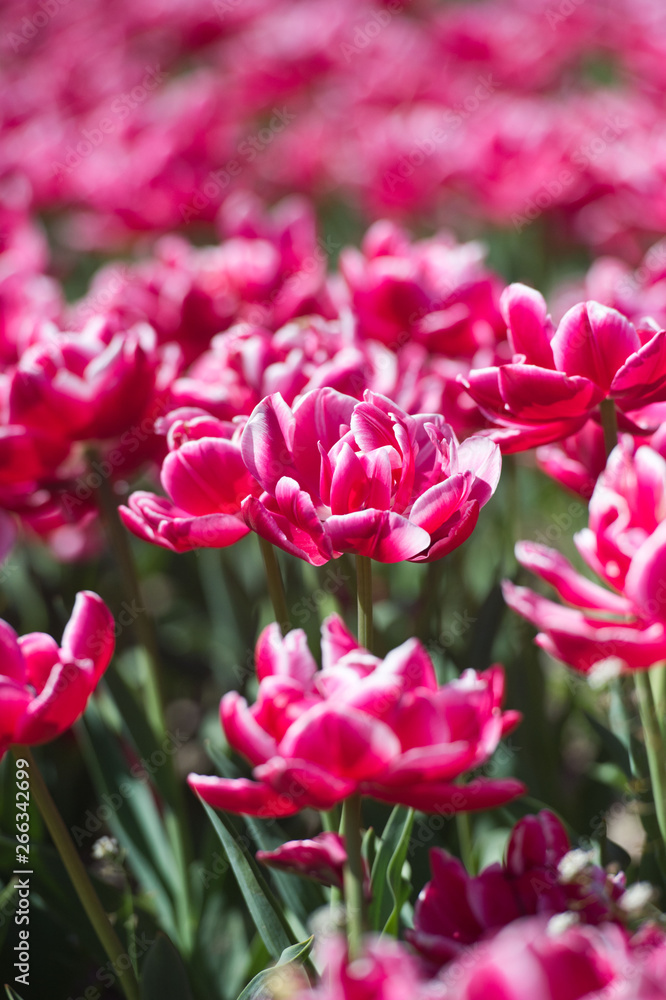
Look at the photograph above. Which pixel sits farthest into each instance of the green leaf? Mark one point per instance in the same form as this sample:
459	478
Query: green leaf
381	907
163	975
293	956
400	887
264	909
302	897
614	747
131	815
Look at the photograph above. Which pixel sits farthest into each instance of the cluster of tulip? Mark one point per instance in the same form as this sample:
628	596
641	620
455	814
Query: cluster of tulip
501	111
358	414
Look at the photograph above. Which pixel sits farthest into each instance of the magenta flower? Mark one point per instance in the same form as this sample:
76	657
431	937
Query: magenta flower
322	858
455	910
381	728
247	363
435	292
90	386
559	376
44	689
383	971
364	477
533	958
205	478
625	544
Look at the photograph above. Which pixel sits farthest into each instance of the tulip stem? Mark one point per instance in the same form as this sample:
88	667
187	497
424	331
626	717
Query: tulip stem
79	876
654	745
609	424
364	589
275	585
353	874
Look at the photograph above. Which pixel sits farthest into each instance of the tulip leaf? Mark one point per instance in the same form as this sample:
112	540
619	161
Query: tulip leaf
290	958
300	895
163	975
381	906
128	810
12	994
399	886
614	747
264	908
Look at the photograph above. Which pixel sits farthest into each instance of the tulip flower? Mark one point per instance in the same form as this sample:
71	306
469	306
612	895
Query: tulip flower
45	688
322	858
206	480
85	388
455	910
534	958
381	728
558	377
383	971
363	477
623	625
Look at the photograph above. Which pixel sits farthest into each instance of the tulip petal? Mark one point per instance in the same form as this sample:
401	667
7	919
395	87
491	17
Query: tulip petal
242	730
594	342
439	797
353	745
570	585
379	534
529	327
11	661
238	795
267	441
90	632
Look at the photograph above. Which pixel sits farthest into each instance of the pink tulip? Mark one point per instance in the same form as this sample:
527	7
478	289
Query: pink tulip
205	478
322	858
247	363
90	386
559	376
44	689
381	728
436	292
531	958
363	477
456	910
383	971
624	544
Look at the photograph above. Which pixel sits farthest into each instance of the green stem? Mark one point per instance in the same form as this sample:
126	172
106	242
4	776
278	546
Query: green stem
353	874
79	876
364	588
654	744
275	585
609	424
464	828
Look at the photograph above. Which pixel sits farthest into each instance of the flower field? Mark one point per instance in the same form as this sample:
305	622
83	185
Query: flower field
333	500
